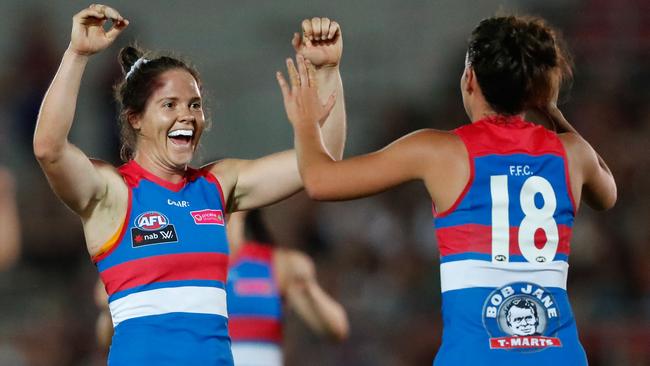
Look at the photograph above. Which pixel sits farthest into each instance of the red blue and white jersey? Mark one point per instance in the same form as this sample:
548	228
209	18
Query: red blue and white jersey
504	248
255	307
165	272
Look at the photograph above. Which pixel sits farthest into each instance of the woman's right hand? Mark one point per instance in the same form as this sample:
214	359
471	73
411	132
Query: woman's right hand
88	33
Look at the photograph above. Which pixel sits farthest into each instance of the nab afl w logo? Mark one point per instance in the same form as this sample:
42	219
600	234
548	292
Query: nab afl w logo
521	316
151	221
152	228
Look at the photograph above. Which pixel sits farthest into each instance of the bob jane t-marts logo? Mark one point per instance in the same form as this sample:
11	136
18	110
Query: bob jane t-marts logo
521	316
152	227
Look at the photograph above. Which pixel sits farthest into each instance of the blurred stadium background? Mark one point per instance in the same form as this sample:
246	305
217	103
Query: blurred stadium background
401	67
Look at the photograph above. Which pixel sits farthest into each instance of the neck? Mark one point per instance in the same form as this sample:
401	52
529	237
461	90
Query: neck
484	111
159	169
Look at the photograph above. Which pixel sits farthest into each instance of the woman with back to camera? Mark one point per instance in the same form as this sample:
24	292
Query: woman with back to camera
155	227
262	278
504	192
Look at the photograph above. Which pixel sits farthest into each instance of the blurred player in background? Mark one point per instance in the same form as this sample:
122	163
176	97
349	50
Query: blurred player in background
155	227
263	277
9	222
505	193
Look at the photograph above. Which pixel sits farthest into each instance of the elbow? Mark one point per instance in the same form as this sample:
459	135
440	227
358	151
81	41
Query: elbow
604	202
45	150
341	331
611	200
315	187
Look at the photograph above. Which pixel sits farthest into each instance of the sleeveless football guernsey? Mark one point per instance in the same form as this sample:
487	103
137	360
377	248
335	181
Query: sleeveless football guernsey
165	272
504	248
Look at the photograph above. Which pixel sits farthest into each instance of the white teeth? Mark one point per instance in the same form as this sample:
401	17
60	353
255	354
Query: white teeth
186	133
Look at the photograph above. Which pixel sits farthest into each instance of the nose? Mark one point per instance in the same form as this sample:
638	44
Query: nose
186	116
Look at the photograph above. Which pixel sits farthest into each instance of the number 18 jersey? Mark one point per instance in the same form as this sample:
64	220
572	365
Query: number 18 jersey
504	248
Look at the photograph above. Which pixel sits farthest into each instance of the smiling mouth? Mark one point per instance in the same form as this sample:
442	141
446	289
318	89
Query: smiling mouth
181	137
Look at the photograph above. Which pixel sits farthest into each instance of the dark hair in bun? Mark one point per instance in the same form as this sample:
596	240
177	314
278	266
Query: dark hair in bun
516	61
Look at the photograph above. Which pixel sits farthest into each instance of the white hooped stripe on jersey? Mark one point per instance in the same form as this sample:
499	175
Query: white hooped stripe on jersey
256	354
186	299
476	273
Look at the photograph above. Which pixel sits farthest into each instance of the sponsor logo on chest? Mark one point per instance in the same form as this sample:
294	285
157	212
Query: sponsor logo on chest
208	217
152	227
253	287
178	203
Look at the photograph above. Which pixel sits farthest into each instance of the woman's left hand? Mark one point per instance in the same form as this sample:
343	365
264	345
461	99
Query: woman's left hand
301	100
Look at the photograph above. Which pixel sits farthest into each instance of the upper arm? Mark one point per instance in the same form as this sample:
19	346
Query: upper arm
249	184
408	158
595	183
76	179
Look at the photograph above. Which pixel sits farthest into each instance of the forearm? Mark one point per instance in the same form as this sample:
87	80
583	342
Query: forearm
312	156
322	313
58	107
334	129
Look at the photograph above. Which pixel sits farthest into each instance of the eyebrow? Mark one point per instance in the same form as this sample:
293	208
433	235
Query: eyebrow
176	99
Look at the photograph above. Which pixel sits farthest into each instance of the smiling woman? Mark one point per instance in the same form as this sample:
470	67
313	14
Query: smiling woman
175	109
155	227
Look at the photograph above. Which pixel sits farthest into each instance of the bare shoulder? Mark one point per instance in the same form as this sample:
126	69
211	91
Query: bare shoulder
429	135
226	171
577	148
106	169
434	143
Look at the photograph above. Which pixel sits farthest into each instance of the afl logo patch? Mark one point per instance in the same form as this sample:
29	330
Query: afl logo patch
151	221
521	316
152	228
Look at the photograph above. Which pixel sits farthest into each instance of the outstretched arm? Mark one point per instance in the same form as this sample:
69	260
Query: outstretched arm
320	311
415	156
71	174
255	183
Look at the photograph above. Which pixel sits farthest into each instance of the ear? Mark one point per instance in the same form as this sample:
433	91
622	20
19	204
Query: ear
470	80
134	120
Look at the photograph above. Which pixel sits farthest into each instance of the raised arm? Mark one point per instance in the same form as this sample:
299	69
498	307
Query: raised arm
255	183
73	177
595	180
424	155
322	45
297	277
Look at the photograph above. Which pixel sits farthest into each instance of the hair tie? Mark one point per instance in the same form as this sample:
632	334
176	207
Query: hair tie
136	65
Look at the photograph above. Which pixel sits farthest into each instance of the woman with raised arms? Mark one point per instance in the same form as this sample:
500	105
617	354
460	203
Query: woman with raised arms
154	226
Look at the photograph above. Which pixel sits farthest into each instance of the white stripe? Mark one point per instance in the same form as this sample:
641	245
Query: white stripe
475	273
186	299
256	354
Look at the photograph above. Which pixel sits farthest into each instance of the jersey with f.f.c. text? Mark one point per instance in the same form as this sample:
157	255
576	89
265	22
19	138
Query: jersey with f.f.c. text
255	307
165	272
504	248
